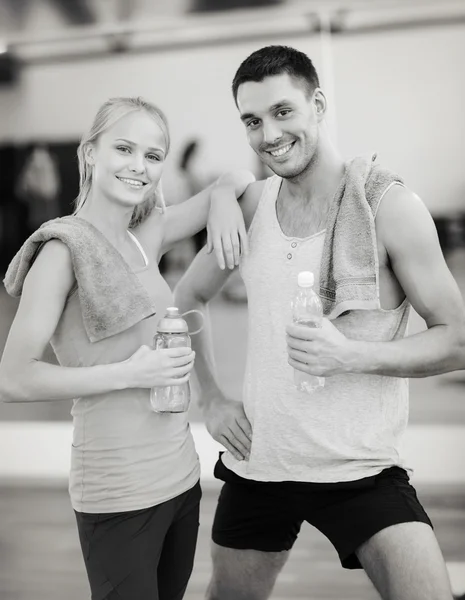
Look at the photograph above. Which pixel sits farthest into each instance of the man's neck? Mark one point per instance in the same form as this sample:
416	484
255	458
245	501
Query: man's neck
303	202
318	184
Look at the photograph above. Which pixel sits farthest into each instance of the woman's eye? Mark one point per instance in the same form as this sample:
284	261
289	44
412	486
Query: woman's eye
154	157
122	148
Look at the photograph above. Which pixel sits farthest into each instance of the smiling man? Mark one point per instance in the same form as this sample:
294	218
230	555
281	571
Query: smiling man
331	458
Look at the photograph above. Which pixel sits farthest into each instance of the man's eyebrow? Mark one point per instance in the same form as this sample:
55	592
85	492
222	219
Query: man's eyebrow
272	108
246	116
279	104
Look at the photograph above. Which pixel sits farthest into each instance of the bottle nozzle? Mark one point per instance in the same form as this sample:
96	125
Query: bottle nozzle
305	279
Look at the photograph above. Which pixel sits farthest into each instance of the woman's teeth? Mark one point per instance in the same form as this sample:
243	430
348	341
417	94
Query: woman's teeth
134	182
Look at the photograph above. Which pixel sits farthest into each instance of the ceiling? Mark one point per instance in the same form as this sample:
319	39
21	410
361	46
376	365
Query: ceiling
38	30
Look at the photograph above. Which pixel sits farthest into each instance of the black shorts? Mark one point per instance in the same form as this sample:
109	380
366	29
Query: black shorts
143	554
267	516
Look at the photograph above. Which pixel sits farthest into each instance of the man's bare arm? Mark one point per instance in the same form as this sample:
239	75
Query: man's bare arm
225	418
406	229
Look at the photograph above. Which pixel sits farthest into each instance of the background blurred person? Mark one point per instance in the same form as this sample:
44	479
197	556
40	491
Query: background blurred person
38	187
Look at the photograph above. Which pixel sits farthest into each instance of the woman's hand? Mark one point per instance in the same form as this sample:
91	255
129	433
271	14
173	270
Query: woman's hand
227	234
149	368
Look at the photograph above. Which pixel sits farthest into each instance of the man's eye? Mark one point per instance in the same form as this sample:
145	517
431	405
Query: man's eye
252	124
284	112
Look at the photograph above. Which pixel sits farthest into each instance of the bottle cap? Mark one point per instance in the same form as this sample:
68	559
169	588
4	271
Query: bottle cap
172	322
305	279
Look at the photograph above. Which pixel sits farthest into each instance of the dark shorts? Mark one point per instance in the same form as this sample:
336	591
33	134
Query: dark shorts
267	516
143	554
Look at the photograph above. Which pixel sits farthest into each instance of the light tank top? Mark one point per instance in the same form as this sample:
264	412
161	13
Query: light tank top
124	456
348	430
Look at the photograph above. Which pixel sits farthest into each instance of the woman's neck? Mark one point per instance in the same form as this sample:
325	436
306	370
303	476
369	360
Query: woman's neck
111	219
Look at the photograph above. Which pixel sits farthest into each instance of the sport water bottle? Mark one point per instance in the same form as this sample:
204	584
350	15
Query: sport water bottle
172	332
307	310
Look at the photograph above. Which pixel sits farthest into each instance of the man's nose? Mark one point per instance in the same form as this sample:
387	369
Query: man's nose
271	133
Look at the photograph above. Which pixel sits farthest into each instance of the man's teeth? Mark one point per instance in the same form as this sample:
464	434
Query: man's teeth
281	151
131	181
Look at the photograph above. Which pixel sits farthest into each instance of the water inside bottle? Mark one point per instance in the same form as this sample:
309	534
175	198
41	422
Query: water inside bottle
303	381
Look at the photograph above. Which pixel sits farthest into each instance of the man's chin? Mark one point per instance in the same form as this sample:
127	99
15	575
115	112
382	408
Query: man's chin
285	171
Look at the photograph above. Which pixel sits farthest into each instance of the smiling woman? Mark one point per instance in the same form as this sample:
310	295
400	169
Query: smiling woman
137	162
90	285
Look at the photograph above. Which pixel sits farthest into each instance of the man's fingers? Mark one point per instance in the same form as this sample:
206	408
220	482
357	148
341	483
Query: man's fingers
227	444
305	368
303	332
246	427
301	357
240	440
296	344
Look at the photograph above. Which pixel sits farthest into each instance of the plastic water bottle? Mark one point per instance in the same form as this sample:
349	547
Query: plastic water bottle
172	332
307	310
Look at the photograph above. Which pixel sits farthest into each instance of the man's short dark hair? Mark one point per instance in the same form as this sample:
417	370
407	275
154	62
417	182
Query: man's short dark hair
275	60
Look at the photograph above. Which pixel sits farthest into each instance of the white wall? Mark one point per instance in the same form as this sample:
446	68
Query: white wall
403	95
400	94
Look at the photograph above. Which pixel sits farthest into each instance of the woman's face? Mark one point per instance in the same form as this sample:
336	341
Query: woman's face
128	159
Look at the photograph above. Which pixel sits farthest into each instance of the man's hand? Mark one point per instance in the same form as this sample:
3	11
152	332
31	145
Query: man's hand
321	351
227	234
227	424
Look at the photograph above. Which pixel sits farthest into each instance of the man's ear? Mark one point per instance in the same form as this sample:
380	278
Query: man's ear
320	103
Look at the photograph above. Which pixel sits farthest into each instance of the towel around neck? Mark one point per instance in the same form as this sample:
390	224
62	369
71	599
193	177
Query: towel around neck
112	297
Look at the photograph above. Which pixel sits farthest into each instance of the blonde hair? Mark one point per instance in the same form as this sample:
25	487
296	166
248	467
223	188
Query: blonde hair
108	114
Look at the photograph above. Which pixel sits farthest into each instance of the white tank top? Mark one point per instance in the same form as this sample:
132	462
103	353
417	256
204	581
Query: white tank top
352	427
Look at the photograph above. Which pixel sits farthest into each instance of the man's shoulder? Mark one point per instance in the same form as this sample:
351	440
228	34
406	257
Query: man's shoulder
254	190
399	196
401	213
380	179
251	198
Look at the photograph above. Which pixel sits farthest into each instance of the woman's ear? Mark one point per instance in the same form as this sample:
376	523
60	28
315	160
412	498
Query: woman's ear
89	152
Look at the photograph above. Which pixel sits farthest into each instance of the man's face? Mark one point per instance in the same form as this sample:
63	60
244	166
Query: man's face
281	122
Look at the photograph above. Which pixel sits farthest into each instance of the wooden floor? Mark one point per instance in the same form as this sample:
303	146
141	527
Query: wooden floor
40	556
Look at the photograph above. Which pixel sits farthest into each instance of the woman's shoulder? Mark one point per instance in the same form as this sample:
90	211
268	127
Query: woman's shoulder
150	231
54	255
52	266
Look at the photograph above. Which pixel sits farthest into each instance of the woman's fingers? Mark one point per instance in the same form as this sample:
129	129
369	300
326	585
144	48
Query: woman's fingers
244	239
180	361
